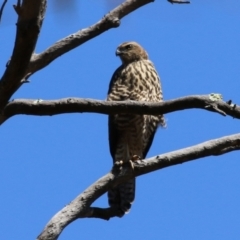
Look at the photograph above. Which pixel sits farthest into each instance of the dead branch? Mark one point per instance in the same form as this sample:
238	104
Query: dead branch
80	207
78	105
110	20
30	17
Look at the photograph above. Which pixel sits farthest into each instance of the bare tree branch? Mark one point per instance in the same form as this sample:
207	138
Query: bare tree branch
80	206
30	17
78	105
110	20
23	63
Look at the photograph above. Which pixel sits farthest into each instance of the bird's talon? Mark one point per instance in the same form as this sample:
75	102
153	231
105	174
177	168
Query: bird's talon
135	158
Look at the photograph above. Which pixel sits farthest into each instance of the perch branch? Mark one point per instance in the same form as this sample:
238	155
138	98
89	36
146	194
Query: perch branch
80	207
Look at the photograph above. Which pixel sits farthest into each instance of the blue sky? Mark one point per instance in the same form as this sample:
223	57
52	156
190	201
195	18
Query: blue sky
47	161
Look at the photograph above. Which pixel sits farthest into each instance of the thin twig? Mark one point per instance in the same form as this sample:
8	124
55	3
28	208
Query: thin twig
178	1
2	7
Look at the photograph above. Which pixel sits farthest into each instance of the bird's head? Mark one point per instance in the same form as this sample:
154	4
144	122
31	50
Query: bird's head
131	52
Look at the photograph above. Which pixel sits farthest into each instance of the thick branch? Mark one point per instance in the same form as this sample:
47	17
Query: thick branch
78	105
80	206
110	20
30	17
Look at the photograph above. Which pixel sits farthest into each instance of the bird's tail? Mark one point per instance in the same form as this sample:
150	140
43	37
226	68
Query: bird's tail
122	196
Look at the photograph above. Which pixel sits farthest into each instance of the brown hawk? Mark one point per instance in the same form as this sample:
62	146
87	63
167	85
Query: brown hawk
136	79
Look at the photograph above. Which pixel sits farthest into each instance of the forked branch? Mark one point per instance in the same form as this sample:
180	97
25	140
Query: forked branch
24	62
80	207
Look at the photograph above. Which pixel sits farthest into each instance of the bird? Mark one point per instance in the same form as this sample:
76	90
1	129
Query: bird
129	134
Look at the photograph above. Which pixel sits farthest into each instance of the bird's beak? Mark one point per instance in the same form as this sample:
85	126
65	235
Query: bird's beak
118	52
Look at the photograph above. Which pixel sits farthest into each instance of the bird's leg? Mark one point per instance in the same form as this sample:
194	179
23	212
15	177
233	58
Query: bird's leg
134	158
119	164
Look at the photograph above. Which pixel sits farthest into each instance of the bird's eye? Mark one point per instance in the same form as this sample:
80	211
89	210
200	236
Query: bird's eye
129	46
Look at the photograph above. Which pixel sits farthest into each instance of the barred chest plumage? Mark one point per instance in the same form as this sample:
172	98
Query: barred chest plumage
136	81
